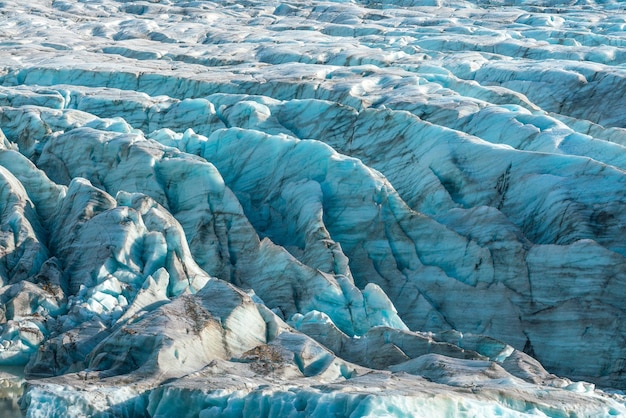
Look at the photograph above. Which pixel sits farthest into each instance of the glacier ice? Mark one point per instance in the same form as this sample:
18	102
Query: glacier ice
358	208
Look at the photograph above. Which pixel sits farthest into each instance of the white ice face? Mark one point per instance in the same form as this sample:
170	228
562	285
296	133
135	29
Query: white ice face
310	208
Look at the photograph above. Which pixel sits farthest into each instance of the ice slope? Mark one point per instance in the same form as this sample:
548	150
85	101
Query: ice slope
359	208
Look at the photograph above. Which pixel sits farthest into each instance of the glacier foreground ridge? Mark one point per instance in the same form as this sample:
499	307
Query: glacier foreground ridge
313	208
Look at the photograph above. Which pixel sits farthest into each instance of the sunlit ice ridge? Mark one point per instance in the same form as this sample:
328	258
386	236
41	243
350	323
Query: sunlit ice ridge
357	208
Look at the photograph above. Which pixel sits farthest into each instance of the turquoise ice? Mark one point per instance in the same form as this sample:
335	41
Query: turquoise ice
313	208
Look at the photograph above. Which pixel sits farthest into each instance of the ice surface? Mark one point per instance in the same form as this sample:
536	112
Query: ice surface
313	208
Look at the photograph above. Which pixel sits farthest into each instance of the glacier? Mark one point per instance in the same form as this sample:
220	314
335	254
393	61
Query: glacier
356	208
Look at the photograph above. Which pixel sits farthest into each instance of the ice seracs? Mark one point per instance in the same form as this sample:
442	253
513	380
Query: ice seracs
313	208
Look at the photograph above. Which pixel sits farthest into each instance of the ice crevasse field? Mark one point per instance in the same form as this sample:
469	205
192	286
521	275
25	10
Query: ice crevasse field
302	208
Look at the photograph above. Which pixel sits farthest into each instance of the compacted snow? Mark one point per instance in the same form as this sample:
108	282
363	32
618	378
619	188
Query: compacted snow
313	208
